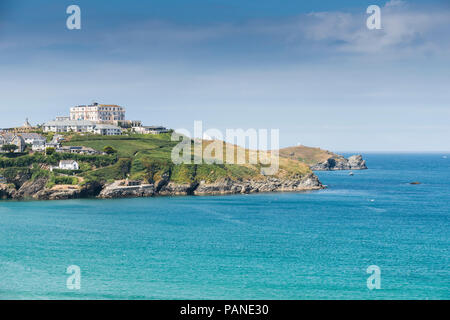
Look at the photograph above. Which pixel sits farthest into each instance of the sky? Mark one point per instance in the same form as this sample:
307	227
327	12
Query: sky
311	69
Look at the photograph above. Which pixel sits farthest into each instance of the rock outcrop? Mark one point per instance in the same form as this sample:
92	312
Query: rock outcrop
7	191
323	160
58	194
30	189
227	186
354	162
116	190
174	189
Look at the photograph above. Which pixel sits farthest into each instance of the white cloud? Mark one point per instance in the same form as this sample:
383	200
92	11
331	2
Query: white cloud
403	28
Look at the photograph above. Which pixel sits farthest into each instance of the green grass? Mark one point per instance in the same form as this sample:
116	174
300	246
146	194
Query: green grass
64	180
117	171
307	155
127	146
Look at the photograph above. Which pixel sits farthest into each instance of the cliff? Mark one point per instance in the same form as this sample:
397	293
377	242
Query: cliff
38	189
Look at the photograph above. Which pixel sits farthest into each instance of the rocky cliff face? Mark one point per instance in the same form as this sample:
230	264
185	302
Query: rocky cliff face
37	189
227	186
355	162
224	186
30	188
22	189
115	190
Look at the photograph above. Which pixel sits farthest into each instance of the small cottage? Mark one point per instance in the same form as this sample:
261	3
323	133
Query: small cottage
68	165
14	139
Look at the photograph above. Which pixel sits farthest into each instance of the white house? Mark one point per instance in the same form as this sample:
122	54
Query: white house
38	146
150	129
31	138
68	165
77	149
69	126
81	126
107	130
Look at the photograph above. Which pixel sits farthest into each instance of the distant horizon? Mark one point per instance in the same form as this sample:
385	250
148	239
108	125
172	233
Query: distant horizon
380	151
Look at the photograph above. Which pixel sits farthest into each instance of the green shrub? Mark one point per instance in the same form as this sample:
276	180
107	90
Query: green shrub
68	172
117	171
109	150
9	147
49	151
65	180
40	173
12	172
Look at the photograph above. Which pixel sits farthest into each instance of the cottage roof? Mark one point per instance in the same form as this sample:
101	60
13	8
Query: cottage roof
31	135
106	126
154	127
9	138
62	162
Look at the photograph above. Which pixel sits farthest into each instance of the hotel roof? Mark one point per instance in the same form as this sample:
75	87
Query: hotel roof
106	126
69	123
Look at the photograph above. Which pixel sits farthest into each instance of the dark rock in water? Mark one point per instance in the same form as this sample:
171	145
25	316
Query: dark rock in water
355	162
415	182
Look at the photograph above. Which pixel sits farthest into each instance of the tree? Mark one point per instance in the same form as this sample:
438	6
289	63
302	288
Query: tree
9	147
109	150
49	151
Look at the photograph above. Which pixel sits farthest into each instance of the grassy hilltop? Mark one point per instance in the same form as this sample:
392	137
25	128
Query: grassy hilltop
308	155
148	158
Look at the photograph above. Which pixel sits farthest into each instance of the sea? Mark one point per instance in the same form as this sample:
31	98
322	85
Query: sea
370	235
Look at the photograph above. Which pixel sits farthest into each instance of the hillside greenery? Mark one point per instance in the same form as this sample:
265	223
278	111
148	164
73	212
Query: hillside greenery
135	156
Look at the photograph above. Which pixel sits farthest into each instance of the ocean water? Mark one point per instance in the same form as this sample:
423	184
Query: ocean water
314	245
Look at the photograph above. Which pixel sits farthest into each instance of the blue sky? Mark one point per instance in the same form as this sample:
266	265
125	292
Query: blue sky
310	68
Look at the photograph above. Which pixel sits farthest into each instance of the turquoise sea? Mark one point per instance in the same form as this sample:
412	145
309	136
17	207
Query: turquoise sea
314	245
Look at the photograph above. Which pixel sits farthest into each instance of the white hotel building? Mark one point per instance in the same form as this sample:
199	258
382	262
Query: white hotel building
98	113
